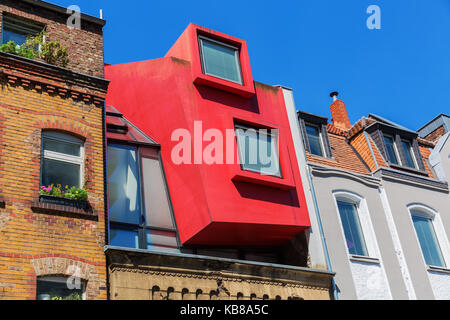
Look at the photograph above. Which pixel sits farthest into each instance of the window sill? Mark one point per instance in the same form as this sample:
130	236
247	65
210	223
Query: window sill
438	270
267	181
411	170
356	258
61	210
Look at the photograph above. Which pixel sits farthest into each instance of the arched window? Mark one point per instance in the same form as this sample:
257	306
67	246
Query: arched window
356	224
62	160
60	288
425	224
349	207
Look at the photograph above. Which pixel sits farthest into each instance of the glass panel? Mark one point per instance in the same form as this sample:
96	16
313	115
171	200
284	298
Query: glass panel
18	38
62	147
221	61
48	290
59	172
155	195
123	185
162	240
124	238
315	143
428	241
408	154
390	149
258	151
352	228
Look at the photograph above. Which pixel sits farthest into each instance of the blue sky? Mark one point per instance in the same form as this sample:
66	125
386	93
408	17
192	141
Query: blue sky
401	72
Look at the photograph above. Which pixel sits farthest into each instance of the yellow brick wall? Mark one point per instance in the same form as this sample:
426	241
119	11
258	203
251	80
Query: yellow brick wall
35	244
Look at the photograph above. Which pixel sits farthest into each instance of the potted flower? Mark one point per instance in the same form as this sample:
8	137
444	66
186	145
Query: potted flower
72	197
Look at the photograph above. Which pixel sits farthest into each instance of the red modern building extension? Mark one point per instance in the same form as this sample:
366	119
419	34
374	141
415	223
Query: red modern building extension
205	82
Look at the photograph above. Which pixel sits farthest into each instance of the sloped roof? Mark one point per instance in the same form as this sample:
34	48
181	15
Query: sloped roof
119	128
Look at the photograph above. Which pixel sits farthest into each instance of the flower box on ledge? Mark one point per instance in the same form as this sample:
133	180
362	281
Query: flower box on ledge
78	204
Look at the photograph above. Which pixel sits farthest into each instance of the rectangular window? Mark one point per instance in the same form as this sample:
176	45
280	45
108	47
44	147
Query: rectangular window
409	157
428	241
352	228
57	288
315	140
62	160
391	151
258	150
17	30
220	60
140	222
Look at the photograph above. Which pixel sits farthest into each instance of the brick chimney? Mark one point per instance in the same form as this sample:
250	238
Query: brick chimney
339	113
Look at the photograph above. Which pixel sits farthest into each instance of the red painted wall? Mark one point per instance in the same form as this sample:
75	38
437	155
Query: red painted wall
218	205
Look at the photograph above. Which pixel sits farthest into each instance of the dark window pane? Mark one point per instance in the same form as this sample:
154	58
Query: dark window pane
51	289
124	238
428	241
62	147
123	181
221	61
315	143
390	150
18	38
162	240
63	173
408	154
352	228
258	151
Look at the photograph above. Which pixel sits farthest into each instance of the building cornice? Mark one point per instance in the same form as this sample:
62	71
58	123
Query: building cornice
319	170
32	74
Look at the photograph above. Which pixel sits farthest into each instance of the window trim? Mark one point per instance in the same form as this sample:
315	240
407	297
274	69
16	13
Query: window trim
142	228
63	280
424	211
394	147
365	221
61	157
28	27
322	143
237	55
274	137
412	153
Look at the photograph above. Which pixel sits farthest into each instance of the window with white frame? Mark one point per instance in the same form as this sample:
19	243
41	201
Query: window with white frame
60	288
430	235
220	59
62	160
356	225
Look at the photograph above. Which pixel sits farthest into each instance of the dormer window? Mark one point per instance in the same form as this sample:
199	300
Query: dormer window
391	149
398	146
17	30
314	136
409	156
220	60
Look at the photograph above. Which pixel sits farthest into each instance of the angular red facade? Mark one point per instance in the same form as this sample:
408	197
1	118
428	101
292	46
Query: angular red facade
218	204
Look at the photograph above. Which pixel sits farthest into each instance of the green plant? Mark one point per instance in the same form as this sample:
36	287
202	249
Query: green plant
39	46
73	193
73	297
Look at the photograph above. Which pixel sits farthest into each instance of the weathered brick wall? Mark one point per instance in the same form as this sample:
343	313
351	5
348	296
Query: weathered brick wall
47	242
85	46
436	134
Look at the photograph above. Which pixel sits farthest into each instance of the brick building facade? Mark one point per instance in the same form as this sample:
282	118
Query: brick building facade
41	243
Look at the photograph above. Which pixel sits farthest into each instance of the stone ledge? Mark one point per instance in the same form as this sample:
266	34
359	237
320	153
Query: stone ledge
59	210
